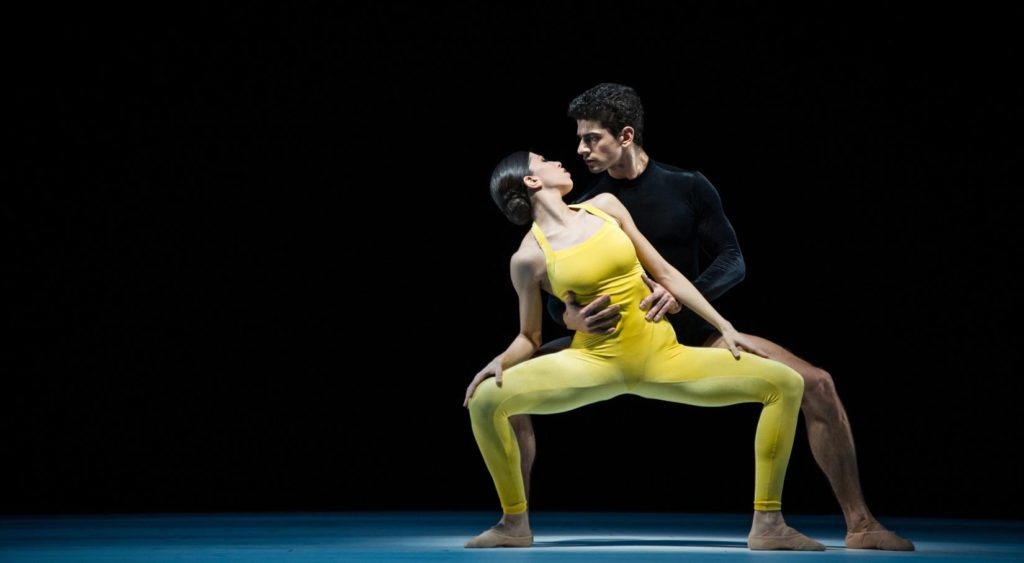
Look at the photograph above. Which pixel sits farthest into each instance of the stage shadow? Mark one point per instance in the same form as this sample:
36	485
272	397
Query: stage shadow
627	542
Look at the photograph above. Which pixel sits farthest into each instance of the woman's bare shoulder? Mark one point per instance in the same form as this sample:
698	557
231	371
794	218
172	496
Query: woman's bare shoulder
529	255
529	250
604	201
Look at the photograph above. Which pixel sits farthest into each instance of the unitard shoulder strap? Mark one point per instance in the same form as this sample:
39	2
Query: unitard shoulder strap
542	240
597	212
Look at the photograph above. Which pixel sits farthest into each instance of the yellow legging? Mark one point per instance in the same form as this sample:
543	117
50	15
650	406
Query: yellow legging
646	361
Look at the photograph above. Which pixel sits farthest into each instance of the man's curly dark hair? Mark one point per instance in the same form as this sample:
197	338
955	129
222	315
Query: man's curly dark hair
614	106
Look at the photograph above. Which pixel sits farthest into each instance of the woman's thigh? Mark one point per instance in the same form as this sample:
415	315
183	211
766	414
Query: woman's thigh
714	377
552	383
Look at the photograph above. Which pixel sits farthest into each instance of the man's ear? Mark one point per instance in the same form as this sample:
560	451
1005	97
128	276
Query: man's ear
626	136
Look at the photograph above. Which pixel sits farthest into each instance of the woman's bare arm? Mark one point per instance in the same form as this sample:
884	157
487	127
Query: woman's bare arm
527	269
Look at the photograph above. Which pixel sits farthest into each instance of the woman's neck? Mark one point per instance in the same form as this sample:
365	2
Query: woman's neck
551	213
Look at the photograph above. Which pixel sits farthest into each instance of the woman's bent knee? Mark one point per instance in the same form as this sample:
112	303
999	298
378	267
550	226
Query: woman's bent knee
485	399
791	383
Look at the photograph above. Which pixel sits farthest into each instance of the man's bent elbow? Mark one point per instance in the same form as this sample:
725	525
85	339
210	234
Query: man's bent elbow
739	269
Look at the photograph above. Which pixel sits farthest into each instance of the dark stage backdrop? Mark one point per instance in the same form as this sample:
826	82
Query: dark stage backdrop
251	262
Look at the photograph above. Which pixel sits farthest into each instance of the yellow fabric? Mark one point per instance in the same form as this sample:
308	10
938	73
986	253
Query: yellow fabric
640	358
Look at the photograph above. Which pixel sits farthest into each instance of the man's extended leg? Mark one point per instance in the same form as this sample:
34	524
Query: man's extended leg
828	430
523	426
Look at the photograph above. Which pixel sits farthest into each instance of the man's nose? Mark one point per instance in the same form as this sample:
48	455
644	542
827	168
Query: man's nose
582	149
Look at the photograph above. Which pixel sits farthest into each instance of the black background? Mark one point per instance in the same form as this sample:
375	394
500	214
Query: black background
251	261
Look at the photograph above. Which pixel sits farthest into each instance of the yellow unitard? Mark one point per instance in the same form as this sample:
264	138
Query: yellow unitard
641	358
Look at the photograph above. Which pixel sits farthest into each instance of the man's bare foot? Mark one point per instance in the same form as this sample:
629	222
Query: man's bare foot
878	539
770	532
512	531
865	532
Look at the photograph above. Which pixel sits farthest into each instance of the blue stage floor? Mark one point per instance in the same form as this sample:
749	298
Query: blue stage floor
405	536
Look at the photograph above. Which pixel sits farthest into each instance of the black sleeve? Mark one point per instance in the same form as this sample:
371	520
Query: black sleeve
556	308
718	239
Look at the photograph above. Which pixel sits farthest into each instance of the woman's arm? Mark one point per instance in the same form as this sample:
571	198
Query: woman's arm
527	268
668	276
524	271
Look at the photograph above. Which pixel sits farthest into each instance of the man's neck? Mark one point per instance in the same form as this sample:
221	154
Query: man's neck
632	164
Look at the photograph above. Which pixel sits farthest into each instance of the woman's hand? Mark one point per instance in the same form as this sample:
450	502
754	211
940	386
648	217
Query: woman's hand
663	301
737	341
493	368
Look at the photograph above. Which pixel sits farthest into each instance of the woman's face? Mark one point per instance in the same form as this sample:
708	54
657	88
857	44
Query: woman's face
550	173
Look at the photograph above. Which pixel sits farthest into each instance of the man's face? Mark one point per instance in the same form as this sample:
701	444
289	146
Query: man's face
597	146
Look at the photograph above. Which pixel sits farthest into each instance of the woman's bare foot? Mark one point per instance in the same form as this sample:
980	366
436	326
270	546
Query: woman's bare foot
770	531
512	531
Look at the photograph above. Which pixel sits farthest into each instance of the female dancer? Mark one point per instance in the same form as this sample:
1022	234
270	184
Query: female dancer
590	249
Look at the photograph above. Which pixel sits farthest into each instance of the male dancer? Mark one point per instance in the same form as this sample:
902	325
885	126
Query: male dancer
680	213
